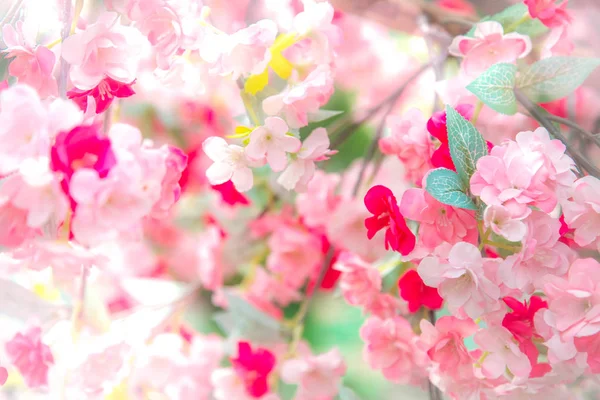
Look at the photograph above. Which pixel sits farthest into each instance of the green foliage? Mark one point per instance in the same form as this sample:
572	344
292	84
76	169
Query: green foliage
512	19
466	145
555	77
495	87
446	187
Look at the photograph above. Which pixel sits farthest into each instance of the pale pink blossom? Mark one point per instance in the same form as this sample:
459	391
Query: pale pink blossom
461	281
410	142
301	169
582	212
444	344
3	376
439	223
160	23
316	204
101	366
229	163
227	385
391	346
32	64
318	377
296	103
500	221
557	43
315	25
574	300
269	290
504	353
209	252
105	48
30	356
531	171
175	162
272	142
489	46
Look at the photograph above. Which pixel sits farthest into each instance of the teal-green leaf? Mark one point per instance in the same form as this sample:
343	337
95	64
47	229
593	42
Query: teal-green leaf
466	144
495	87
510	17
446	187
555	77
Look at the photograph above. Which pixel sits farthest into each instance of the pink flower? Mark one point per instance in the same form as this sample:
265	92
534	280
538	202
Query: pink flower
574	300
557	43
439	223
175	162
317	377
503	354
381	202
531	171
390	345
519	322
211	269
444	344
272	142
410	142
159	22
296	103
103	49
489	46
31	357
253	368
103	94
461	281
417	294
32	65
318	202
229	194
3	376
315	24
582	213
301	169
550	13
500	221
229	163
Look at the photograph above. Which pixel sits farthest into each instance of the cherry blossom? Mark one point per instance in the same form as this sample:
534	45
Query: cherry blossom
253	368
582	213
229	163
272	142
549	12
103	94
489	46
30	356
500	221
503	354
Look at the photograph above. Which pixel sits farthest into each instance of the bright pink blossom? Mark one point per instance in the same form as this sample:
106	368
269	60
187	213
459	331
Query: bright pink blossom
104	49
461	281
549	12
520	320
381	202
32	64
582	213
229	163
410	142
439	223
503	354
230	195
489	46
272	142
104	94
31	356
296	103
253	367
302	168
436	126
390	345
417	294
317	377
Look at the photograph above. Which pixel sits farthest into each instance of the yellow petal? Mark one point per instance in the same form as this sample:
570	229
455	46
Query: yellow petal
119	392
281	66
46	292
282	42
256	83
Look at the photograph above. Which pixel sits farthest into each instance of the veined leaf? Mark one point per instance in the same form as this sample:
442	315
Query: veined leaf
495	87
446	187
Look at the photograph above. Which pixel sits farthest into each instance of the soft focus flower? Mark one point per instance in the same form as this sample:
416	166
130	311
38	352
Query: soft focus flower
317	377
317	203
381	202
175	162
302	168
549	12
461	281
32	65
103	94
316	25
410	142
3	376
582	213
272	142
229	163
230	195
296	103
390	345
489	46
104	49
413	290
253	368
503	354
31	356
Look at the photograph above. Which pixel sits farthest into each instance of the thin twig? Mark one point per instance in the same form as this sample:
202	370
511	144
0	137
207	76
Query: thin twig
580	160
576	127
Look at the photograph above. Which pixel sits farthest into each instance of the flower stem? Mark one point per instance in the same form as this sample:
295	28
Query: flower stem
478	108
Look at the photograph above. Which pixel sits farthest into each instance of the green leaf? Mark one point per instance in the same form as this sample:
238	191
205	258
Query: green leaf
495	87
555	77
466	144
323	115
446	187
511	19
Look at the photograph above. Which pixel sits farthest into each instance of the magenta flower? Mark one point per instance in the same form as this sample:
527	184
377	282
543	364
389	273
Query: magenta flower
103	94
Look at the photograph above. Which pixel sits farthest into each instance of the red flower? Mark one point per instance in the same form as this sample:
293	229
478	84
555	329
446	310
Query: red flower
103	94
254	367
551	14
230	195
381	202
520	321
413	290
461	7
